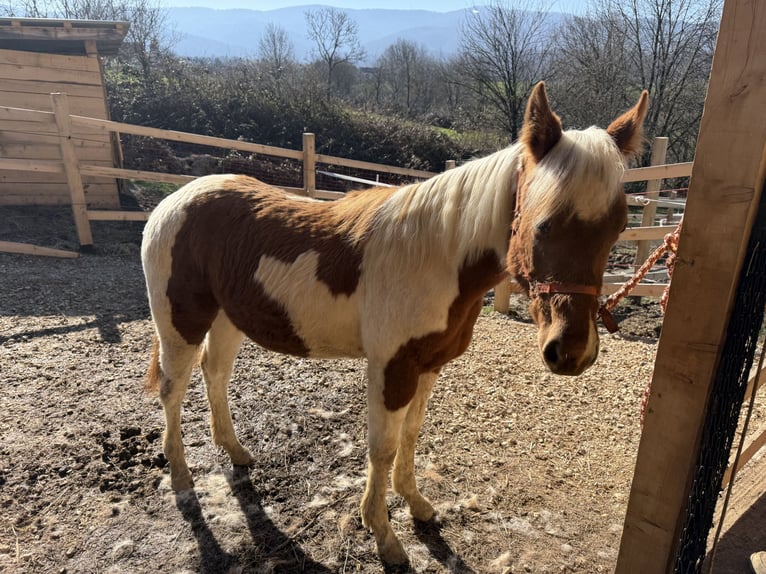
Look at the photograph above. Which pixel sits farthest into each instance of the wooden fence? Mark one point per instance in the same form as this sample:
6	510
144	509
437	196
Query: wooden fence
74	169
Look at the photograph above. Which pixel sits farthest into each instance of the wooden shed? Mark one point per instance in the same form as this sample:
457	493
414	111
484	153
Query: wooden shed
39	57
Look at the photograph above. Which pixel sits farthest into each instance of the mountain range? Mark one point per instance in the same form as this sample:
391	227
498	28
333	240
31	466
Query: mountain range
207	32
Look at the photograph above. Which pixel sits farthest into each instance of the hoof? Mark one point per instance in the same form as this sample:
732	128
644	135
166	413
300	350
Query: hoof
181	483
393	553
422	510
242	458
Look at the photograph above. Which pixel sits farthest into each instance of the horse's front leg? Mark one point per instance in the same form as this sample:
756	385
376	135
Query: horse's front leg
384	426
404	464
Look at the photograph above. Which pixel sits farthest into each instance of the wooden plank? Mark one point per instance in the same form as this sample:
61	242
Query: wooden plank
105	215
640	290
654	232
30	198
333	160
65	38
95	170
29	165
44	60
50	74
72	170
659	152
91	105
658	172
502	302
107	125
87	152
11	177
638	200
29	132
28	249
8	113
11	85
322	194
309	165
31	139
724	192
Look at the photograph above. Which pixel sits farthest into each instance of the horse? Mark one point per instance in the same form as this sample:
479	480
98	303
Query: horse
394	275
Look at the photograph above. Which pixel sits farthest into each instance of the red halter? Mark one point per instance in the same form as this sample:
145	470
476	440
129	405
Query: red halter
537	288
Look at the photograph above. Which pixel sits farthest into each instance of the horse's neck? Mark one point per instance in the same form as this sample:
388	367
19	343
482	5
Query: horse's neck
477	202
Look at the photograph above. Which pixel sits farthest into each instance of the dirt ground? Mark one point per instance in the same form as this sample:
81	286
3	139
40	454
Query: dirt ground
529	472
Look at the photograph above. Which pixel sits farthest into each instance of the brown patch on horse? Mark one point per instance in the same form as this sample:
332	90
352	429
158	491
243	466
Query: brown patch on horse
431	352
542	128
225	234
152	383
626	130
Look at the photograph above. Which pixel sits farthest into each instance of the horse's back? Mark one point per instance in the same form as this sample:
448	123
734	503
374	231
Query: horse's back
272	262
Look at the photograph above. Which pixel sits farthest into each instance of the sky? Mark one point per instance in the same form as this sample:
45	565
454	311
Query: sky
433	5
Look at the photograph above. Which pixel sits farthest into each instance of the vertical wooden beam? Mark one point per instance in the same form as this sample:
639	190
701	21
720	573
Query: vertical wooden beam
309	164
502	301
91	48
725	189
72	170
659	153
450	164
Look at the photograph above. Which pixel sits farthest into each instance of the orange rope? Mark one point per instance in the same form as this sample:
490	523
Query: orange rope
669	245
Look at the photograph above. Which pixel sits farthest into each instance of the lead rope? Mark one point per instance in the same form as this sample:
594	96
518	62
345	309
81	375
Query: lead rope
669	245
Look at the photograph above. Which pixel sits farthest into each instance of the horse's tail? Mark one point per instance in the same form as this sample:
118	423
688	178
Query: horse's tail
152	385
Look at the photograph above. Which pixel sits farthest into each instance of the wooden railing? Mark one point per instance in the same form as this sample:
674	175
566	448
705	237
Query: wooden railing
62	121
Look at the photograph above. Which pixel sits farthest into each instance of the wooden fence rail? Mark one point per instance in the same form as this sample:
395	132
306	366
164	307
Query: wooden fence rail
62	120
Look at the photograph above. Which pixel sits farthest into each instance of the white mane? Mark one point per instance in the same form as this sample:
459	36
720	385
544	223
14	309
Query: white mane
459	213
580	174
463	212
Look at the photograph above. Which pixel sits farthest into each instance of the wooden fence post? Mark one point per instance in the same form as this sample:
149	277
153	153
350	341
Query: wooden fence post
659	152
72	170
724	196
450	164
309	164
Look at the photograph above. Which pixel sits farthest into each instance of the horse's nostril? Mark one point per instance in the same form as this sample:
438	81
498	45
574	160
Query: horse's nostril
552	352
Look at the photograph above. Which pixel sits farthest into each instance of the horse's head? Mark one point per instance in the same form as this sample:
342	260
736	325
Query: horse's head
570	209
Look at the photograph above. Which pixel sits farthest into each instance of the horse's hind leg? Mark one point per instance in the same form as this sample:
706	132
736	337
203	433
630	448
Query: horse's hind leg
218	353
176	360
404	464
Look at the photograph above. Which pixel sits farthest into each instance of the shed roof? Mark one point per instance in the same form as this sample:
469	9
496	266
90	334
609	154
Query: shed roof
61	36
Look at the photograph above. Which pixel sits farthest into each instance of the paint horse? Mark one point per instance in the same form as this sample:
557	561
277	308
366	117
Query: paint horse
393	275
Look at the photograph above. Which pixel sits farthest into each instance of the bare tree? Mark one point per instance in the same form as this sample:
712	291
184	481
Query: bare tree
408	76
277	55
336	39
591	66
623	46
504	51
670	48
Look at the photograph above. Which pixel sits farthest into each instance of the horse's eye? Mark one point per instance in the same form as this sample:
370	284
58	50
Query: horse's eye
544	227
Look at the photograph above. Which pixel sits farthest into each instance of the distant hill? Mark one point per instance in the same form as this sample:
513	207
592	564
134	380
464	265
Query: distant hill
210	32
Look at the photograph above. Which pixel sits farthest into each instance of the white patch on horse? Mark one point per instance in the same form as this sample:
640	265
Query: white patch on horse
328	324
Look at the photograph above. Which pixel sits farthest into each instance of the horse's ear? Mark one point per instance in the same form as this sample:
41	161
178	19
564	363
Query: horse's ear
626	130
542	128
